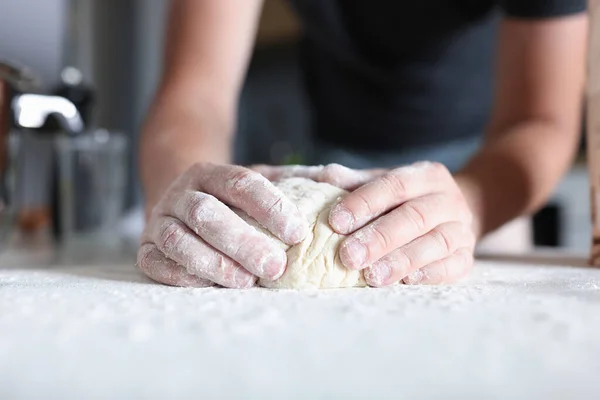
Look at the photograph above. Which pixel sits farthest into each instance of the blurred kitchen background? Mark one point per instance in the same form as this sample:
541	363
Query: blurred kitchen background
116	46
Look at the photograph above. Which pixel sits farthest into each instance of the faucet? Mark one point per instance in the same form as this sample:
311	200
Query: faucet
31	111
23	107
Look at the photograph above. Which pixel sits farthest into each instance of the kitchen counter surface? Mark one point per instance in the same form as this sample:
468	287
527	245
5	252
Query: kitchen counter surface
518	327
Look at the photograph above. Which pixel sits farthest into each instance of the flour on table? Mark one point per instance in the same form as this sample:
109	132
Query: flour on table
314	263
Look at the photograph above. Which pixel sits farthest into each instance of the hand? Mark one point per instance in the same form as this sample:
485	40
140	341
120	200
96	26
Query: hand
194	239
411	224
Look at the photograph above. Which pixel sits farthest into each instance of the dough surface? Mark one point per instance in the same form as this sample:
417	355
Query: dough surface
314	263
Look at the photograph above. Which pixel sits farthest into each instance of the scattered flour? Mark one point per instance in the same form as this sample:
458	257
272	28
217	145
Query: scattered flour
105	331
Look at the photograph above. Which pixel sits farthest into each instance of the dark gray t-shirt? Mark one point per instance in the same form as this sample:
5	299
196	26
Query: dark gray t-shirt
387	74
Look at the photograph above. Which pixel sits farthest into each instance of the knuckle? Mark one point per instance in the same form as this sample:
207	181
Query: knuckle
434	169
144	258
438	168
416	216
170	237
382	237
332	173
364	204
393	181
198	207
276	208
240	181
403	261
445	239
235	249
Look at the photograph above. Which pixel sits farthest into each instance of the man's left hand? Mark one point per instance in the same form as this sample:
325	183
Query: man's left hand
410	224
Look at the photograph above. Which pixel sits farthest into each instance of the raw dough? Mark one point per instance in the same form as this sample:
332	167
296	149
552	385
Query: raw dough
314	263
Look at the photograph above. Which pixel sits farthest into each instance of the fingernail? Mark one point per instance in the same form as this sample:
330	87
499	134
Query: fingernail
354	254
274	265
378	274
341	219
415	278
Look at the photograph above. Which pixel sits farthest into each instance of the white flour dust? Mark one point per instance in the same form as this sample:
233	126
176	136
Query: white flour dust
508	331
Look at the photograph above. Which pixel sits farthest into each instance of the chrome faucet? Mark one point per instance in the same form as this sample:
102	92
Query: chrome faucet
23	107
31	111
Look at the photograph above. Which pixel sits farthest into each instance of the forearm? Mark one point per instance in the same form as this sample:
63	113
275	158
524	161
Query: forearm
174	138
516	171
192	119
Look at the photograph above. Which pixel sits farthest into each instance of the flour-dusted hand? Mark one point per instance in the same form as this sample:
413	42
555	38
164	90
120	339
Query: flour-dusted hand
194	239
411	224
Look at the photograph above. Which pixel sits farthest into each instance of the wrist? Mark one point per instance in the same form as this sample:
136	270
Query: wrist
472	194
167	151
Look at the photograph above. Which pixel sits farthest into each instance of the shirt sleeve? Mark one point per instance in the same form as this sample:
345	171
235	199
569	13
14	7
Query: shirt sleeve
542	8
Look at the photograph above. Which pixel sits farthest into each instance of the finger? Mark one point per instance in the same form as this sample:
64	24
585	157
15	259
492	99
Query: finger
445	270
268	171
401	226
334	174
256	196
437	244
346	178
278	172
162	270
385	193
223	229
178	243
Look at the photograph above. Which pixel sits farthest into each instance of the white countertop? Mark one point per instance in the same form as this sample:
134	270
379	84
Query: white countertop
514	329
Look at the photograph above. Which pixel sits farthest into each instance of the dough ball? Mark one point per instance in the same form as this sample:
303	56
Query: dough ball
314	263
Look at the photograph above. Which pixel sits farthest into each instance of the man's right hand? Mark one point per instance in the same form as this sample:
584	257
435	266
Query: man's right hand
193	238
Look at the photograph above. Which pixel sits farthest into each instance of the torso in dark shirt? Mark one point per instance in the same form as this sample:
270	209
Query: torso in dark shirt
385	74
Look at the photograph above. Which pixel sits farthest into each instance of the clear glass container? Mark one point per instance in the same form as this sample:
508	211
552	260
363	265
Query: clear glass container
92	172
